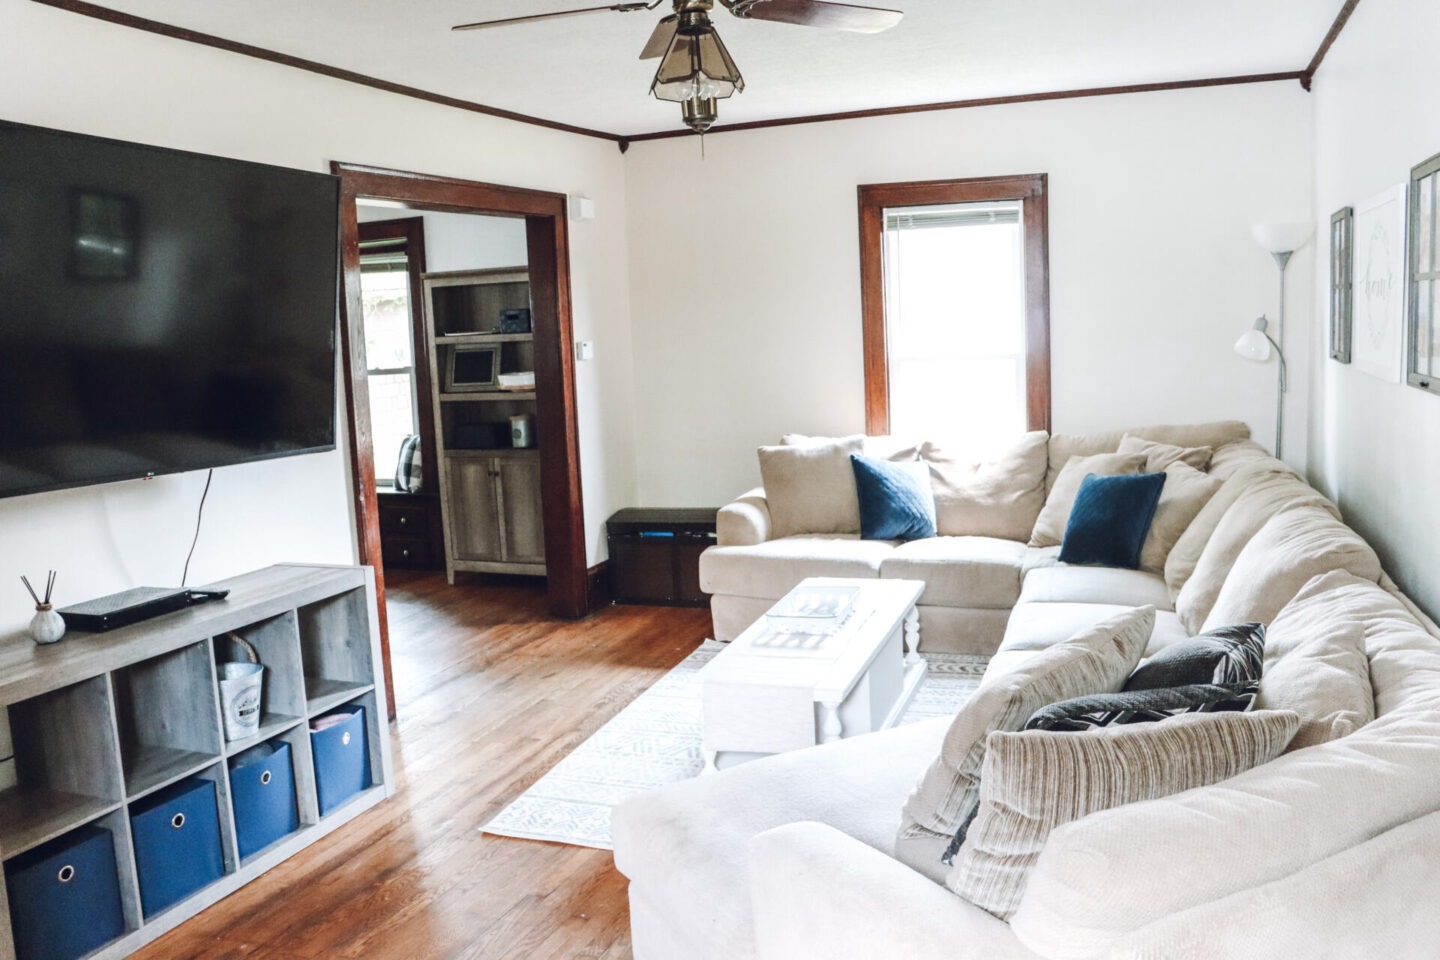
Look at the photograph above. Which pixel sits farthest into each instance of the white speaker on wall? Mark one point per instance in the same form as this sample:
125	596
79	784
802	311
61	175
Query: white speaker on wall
581	208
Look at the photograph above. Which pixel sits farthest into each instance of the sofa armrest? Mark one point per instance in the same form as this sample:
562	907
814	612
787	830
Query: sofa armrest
1372	900
745	521
817	892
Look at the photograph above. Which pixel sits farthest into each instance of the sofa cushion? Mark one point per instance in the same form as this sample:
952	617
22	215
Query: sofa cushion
1080	714
1233	654
770	569
854	785
1158	456
1404	653
1258	497
1185	554
896	502
810	488
1230	458
1110	520
1319	671
1096	660
1050	525
1064	583
981	572
1286	553
1063	446
1186	492
1037	780
997	498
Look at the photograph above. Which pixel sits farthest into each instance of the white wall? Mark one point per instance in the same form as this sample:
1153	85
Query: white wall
77	73
461	241
747	307
1376	446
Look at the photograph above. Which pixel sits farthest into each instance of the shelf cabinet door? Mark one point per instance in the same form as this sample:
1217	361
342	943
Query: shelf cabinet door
474	509
521	520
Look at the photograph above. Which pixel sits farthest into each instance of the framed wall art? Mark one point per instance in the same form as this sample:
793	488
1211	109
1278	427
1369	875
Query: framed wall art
1423	274
1378	288
1342	234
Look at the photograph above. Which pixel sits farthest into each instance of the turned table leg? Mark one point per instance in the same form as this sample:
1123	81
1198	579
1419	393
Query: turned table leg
912	636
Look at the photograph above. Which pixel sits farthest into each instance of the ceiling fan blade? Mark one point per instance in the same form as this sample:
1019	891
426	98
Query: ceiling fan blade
620	7
660	38
818	13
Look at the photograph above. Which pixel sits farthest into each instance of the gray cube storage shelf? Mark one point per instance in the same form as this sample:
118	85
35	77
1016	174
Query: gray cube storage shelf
101	721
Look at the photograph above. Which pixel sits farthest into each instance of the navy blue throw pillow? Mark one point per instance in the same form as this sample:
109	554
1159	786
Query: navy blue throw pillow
1110	519
896	501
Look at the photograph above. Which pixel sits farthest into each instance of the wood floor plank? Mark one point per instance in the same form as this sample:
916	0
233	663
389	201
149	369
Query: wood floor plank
491	693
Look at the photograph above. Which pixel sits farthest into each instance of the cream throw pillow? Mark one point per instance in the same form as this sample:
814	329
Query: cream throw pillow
1186	491
811	488
1096	660
1292	547
998	498
1049	528
1320	671
1158	456
1033	782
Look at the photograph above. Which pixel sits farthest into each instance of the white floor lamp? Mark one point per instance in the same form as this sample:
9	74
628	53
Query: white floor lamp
1282	240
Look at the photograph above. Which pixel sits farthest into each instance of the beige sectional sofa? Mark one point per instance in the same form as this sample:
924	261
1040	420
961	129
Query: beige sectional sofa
1328	851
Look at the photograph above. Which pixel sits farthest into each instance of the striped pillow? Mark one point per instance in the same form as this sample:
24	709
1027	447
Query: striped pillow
1032	782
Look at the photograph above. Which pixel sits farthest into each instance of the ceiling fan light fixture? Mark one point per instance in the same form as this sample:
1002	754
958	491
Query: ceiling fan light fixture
695	72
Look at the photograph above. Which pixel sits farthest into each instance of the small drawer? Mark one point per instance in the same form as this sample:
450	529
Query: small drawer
177	843
262	793
407	551
65	896
404	518
342	756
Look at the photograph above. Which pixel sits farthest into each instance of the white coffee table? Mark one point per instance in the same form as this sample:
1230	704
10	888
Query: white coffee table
760	697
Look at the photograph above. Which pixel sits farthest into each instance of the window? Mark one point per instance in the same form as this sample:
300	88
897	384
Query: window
389	352
1424	273
956	317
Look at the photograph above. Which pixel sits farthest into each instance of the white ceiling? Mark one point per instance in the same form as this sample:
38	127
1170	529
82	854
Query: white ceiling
585	71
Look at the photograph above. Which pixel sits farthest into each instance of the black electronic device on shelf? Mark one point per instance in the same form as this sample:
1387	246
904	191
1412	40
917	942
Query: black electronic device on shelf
132	606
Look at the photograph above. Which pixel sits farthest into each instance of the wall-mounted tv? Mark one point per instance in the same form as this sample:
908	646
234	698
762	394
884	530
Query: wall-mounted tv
160	311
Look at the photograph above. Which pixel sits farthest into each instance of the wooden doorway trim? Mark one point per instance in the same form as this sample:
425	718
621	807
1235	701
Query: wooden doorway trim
548	243
874	198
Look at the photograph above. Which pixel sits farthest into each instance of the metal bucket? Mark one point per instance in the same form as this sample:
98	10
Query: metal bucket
241	686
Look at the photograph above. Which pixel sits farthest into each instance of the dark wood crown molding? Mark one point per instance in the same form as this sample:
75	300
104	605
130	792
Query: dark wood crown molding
980	102
623	141
299	63
1341	18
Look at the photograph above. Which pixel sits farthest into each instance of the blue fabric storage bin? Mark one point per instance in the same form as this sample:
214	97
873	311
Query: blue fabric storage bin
65	896
262	793
342	757
177	843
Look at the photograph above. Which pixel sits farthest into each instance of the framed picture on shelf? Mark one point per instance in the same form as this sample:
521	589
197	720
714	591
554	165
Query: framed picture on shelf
1422	365
1342	234
1378	288
472	367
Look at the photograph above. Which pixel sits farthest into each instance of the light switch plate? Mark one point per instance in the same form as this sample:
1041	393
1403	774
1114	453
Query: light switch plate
584	349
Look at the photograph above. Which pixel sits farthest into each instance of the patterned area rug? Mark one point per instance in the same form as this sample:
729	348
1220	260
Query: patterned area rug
656	740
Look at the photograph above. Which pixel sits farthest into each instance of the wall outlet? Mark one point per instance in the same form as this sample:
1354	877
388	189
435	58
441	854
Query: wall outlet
584	349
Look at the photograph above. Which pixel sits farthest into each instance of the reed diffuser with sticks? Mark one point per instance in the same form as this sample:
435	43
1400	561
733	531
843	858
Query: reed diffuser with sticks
46	626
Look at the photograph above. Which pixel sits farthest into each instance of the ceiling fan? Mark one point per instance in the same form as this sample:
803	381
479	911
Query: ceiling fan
695	68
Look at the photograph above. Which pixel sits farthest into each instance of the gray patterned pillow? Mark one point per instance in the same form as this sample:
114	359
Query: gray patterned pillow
1225	655
1143	706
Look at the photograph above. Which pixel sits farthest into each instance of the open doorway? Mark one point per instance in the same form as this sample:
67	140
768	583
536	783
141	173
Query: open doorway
463	360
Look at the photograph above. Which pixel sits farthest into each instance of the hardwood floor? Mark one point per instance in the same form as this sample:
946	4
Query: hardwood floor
491	693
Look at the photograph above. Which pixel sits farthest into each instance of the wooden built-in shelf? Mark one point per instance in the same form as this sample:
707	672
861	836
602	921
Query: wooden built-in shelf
490	396
322	694
29	818
485	338
271	725
156	767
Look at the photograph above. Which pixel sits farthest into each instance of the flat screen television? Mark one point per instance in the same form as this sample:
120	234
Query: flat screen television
160	311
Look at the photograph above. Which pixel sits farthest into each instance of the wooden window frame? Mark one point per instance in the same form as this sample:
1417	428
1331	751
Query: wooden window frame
874	199
411	230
